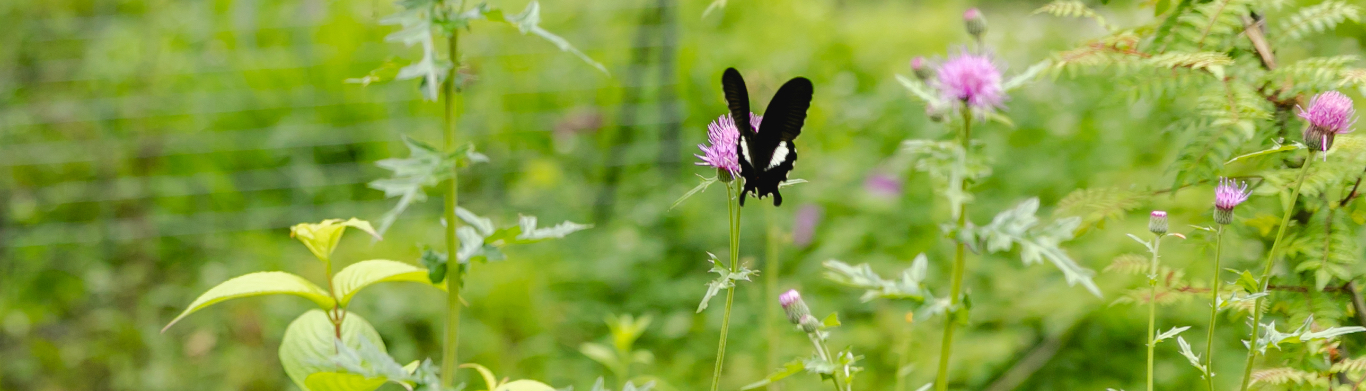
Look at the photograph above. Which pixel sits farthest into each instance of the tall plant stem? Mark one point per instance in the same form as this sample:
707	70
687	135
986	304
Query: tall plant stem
1152	308
771	289
1266	272
941	382
904	358
1213	306
824	353
733	209
455	276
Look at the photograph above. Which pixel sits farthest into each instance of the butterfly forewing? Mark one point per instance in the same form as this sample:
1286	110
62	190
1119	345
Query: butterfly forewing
787	112
737	98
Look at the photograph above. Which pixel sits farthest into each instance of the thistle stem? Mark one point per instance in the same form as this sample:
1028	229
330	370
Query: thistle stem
733	209
771	287
1213	307
455	273
941	382
1152	308
824	353
1266	272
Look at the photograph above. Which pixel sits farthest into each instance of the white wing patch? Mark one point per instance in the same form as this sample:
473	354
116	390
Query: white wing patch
744	150
779	155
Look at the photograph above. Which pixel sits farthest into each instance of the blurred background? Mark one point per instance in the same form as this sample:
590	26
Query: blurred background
151	149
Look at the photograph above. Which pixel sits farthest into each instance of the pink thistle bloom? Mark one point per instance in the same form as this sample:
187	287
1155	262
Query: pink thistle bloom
1330	114
1230	193
723	136
973	80
789	297
1157	222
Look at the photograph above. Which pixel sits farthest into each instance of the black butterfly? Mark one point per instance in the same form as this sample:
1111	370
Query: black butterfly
767	156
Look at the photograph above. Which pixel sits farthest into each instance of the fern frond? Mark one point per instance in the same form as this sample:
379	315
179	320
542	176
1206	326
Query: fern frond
1349	365
1318	18
1073	9
1283	376
1326	248
1353	77
1210	24
1197	60
1343	164
1095	206
1310	75
1131	263
1229	119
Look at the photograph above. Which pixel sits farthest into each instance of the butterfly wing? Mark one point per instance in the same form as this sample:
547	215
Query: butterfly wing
737	99
769	155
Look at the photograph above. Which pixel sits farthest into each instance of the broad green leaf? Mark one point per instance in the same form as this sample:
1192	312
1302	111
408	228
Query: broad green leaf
308	345
335	381
832	320
322	238
258	284
525	385
791	368
359	275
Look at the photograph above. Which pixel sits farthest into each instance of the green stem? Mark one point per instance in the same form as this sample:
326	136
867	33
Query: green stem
1266	271
455	275
1152	308
824	353
771	287
941	382
905	358
1213	307
733	209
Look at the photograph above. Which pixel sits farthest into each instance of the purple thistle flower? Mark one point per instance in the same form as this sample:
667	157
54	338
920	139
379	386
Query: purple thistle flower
723	137
796	309
1228	195
972	79
1330	114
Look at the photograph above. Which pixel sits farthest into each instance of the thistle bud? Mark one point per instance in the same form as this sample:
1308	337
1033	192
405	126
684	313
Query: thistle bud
935	113
794	306
921	69
724	175
1157	222
975	22
810	324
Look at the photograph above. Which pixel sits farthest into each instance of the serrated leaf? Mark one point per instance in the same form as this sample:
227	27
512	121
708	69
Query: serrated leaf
1020	227
1169	333
531	234
922	91
529	20
725	280
258	284
424	167
701	187
1027	76
351	279
909	286
1191	356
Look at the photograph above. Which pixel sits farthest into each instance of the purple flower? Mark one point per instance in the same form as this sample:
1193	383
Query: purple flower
1330	114
972	79
723	137
882	185
1230	193
804	226
1227	195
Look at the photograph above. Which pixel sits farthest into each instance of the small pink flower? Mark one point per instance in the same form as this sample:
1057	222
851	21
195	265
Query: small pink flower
789	297
1157	222
723	136
973	80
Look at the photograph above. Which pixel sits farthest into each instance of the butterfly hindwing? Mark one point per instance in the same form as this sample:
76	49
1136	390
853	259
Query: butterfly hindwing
767	156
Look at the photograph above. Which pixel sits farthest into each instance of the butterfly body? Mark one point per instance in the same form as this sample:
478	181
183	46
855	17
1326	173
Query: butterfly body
767	155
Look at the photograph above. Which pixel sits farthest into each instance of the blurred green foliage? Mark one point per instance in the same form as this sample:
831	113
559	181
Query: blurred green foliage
155	148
